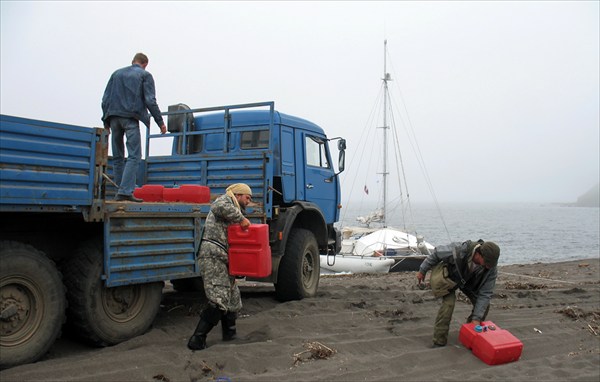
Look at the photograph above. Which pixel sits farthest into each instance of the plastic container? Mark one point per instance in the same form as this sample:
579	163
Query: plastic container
194	193
249	251
171	194
468	332
149	193
188	193
491	344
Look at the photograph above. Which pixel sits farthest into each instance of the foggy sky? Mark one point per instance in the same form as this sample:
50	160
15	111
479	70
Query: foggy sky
503	96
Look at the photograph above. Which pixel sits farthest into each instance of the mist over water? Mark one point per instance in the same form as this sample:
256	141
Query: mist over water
526	233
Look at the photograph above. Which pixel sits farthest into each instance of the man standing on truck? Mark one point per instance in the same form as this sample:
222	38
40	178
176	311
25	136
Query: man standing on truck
127	98
222	292
470	267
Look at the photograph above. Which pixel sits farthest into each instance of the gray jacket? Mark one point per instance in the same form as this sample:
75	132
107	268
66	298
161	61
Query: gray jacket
477	282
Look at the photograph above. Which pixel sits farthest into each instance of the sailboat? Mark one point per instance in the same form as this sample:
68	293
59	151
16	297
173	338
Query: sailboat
373	241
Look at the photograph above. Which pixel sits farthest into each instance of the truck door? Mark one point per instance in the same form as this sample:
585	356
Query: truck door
288	165
319	181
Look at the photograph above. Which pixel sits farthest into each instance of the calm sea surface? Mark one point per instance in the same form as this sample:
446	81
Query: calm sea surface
526	233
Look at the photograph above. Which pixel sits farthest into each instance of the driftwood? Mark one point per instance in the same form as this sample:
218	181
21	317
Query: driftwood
317	351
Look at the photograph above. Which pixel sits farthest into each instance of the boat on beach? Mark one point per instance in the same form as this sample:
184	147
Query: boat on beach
406	250
355	264
372	241
377	251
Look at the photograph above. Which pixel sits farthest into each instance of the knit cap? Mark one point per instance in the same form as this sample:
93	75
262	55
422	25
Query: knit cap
490	253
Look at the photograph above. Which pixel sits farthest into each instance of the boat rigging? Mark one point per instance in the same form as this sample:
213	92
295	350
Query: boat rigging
374	237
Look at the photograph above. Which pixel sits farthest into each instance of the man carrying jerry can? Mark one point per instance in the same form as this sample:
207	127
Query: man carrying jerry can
222	292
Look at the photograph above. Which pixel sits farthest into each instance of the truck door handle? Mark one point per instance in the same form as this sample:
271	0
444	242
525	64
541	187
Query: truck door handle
310	186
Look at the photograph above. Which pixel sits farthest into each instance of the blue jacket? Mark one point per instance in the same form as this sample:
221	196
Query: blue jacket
130	93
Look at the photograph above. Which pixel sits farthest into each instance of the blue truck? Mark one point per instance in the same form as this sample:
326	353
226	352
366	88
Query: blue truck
70	254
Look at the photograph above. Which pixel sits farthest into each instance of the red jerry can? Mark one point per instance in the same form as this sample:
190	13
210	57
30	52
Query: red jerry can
149	193
194	193
491	344
188	193
249	251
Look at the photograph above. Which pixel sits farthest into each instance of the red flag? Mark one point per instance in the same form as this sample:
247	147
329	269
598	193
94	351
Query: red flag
366	190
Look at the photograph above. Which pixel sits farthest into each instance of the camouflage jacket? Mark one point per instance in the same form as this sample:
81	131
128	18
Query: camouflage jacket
223	212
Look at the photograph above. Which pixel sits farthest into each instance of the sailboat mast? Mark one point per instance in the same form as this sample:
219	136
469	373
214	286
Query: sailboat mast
386	78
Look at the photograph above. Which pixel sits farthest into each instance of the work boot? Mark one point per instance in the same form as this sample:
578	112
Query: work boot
228	326
127	198
209	318
198	339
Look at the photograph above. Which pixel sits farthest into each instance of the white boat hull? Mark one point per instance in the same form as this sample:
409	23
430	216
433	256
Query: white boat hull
355	264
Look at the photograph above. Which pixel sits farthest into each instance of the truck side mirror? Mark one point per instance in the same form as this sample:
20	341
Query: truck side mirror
342	160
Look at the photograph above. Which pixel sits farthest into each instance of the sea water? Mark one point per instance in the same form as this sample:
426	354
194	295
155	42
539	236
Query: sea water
526	233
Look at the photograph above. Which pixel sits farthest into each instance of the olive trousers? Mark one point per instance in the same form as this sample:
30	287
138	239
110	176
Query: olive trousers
444	316
442	321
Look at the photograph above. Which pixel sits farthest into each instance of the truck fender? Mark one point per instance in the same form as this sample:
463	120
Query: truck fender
301	214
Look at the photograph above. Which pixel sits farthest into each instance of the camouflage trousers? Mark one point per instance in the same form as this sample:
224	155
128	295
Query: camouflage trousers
220	288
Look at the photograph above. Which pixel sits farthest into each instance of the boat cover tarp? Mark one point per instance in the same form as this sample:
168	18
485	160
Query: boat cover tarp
386	239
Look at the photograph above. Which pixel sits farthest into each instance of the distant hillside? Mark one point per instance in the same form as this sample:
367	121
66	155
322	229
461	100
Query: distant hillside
590	198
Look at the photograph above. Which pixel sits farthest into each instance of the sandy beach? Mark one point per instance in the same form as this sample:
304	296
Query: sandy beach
359	328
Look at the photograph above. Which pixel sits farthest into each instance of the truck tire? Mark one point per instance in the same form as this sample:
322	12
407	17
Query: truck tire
106	316
298	275
32	304
193	284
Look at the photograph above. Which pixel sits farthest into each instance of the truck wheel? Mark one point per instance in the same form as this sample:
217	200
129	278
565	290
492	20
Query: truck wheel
298	275
193	284
106	316
32	304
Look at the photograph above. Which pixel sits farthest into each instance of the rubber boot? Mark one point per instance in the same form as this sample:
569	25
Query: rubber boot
209	318
228	326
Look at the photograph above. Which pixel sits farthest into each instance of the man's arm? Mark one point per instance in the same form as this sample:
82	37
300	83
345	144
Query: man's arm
150	101
105	98
438	254
224	209
484	295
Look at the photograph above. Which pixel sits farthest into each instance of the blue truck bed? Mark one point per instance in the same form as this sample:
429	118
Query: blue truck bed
50	168
48	165
151	241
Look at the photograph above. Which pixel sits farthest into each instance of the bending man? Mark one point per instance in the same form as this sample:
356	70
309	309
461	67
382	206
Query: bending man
470	267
